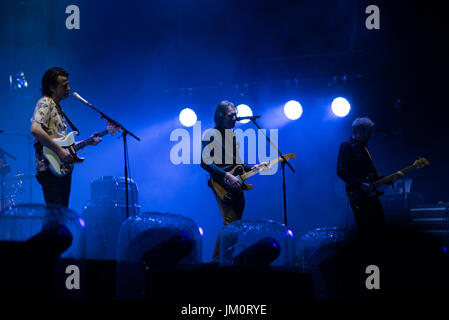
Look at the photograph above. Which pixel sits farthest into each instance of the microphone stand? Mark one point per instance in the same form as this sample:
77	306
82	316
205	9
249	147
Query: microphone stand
125	147
283	162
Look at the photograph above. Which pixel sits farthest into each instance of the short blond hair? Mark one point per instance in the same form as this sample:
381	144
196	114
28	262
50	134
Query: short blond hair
362	124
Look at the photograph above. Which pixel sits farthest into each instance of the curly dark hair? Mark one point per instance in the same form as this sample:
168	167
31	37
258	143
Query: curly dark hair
50	79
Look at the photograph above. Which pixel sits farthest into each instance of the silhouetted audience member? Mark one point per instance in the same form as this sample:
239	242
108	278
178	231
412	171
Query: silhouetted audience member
411	265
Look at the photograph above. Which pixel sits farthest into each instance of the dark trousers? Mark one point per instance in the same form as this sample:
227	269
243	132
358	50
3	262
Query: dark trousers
369	215
230	211
56	189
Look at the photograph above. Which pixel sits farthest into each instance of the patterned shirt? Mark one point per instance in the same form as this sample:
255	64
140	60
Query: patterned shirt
48	115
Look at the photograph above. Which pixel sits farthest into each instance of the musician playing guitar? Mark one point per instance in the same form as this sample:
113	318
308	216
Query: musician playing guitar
49	123
354	166
232	210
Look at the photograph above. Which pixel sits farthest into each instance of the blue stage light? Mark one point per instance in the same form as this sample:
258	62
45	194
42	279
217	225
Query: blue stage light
18	81
293	110
341	107
82	223
244	111
187	117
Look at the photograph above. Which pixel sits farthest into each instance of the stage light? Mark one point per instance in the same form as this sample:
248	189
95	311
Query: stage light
244	111
293	110
187	117
169	252
340	107
260	254
18	81
52	241
82	222
201	231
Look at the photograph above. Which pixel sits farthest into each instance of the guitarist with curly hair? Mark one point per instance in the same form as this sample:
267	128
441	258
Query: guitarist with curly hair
47	124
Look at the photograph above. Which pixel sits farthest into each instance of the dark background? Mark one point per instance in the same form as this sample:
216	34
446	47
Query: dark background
143	61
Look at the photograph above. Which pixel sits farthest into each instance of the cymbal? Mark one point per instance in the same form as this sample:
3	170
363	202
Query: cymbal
19	176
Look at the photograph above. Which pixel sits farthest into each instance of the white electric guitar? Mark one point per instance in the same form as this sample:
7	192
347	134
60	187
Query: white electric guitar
61	168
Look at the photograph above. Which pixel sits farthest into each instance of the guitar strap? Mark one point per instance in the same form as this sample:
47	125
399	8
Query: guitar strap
369	155
72	125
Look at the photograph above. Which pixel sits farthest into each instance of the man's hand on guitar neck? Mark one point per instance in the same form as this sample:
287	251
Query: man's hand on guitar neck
398	175
262	164
233	181
95	139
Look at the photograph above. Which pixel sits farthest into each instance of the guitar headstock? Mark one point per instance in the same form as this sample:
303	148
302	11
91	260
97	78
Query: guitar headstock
112	129
421	163
289	156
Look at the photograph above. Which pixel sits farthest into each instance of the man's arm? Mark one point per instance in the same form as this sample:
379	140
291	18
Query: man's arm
343	167
94	140
39	133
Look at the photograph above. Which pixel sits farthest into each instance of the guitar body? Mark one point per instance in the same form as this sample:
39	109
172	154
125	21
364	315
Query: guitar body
58	167
357	195
223	190
61	168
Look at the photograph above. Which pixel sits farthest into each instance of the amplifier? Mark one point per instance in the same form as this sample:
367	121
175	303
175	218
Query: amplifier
109	190
432	220
103	222
430	214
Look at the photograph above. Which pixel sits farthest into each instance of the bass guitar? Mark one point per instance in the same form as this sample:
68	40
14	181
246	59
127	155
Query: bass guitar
358	194
224	190
61	168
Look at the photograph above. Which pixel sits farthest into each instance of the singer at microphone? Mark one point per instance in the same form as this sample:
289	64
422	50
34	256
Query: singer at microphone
247	118
49	124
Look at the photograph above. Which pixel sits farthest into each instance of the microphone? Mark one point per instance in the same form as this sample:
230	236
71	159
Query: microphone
77	96
247	118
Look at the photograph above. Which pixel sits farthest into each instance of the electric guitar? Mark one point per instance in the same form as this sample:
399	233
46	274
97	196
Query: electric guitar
224	190
61	168
356	195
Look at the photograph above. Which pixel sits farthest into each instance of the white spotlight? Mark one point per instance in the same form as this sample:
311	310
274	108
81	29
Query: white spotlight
187	117
293	110
244	111
340	107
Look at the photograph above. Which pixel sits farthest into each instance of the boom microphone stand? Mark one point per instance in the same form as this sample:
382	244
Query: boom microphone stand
125	145
283	163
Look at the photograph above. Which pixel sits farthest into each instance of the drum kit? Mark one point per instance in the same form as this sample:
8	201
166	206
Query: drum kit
12	186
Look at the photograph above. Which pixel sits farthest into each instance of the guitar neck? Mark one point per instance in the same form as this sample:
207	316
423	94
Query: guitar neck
89	141
253	172
389	178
